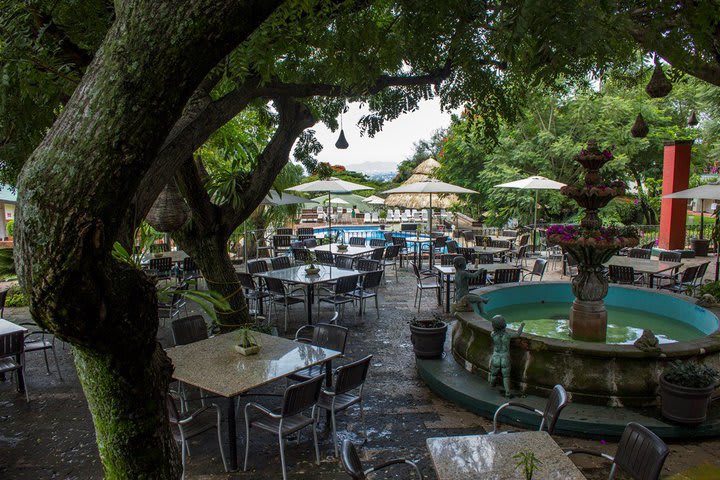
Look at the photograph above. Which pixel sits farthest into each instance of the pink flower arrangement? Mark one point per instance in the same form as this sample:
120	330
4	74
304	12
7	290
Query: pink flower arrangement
610	235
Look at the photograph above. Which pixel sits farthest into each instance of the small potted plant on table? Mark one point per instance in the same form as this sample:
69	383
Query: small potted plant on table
685	391
247	343
310	267
428	337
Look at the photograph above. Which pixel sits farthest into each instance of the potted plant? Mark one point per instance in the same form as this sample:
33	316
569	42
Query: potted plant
700	246
685	391
428	337
310	268
247	343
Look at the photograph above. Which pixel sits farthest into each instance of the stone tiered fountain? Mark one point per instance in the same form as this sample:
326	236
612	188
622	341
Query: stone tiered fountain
591	245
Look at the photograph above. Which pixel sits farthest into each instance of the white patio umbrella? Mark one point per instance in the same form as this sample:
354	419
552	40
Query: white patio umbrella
331	201
274	198
703	192
536	183
330	185
430	186
374	200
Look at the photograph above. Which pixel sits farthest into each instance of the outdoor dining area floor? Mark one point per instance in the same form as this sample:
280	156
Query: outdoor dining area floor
53	436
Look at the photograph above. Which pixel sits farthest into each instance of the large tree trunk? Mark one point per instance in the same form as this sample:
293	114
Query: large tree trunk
73	194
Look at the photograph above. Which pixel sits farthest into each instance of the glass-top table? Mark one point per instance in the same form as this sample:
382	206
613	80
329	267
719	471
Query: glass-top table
491	457
297	275
351	251
213	365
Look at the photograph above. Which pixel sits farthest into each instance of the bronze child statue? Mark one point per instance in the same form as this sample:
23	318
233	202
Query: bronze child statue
464	300
500	360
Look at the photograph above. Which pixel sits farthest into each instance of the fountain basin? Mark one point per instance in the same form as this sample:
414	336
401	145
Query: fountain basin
613	374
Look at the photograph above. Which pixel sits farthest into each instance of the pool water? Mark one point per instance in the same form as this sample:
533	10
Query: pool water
625	325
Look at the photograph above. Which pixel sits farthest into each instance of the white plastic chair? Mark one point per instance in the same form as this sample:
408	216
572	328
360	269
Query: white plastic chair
375	218
367	218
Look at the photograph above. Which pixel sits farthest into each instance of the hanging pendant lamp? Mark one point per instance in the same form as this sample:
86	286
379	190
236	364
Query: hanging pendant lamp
658	86
342	142
692	121
640	128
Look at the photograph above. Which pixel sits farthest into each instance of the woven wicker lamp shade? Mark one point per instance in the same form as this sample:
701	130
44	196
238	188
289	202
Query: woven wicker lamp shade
169	212
639	129
658	86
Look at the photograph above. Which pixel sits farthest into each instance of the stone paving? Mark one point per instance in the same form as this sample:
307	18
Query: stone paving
53	437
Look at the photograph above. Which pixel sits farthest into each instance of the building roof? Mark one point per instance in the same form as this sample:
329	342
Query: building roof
7	194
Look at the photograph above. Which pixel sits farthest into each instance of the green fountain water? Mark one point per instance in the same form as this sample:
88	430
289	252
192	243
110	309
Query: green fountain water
625	325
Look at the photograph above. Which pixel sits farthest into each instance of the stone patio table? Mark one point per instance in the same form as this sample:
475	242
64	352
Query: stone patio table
7	329
448	271
490	457
352	250
176	256
643	265
214	366
417	249
297	275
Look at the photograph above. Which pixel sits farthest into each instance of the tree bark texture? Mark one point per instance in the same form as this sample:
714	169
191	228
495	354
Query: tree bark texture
204	237
73	193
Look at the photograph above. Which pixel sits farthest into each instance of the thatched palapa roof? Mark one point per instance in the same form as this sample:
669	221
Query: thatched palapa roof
421	173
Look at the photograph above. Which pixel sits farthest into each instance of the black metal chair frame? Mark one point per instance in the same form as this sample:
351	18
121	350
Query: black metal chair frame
555	404
353	466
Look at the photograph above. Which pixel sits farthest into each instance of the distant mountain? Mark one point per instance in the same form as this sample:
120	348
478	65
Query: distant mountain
373	167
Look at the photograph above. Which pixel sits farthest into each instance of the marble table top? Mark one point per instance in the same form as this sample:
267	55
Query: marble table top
214	366
488	267
643	265
352	250
492	250
176	256
490	457
297	274
7	328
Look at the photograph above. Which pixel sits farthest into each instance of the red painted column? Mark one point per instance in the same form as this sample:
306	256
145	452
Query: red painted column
673	213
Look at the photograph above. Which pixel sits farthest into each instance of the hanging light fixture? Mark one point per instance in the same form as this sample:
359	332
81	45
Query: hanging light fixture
342	142
658	86
640	128
692	121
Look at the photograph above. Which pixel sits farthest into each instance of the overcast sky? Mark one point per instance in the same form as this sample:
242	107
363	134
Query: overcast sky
389	147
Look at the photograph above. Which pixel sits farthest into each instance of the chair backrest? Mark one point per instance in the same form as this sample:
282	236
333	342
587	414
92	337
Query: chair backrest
689	274
483	258
468	235
506	275
305	231
324	257
500	243
310	242
446	259
640	253
302	238
416	271
377	254
159	248
358	241
466	252
525	238
388	236
284	231
640	453
440	242
452	246
622	274
12	344
301	254
670	256
480	280
351	461
161	264
295	244
372	279
333	337
301	396
281	240
346	284
275	286
246	280
368	265
392	252
702	269
648	245
189	329
539	267
555	403
377	242
257	266
482	240
352	375
189	265
344	261
279	263
399	241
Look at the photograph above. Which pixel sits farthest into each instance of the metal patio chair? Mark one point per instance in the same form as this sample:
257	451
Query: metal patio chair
357	241
353	466
280	263
640	453
555	404
538	270
347	391
298	398
36	341
424	282
368	289
12	356
323	335
340	295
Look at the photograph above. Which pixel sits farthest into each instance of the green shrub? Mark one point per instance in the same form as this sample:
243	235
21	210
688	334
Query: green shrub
17	298
713	288
10	227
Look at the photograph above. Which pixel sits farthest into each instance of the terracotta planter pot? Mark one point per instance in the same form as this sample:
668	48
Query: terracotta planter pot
684	404
428	342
